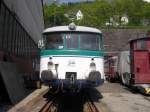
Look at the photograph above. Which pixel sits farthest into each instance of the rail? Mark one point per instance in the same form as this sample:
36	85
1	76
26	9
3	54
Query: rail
90	106
49	106
52	105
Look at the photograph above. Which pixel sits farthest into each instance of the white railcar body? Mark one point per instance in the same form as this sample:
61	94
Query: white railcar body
81	65
76	59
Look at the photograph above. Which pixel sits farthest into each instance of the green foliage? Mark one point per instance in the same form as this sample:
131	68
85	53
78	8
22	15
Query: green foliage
97	13
54	15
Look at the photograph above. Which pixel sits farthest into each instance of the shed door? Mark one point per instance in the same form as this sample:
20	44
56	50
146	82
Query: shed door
142	66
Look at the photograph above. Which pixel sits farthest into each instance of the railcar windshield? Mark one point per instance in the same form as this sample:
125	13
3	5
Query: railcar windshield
54	41
90	42
70	40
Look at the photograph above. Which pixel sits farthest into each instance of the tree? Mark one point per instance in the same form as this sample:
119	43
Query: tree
97	13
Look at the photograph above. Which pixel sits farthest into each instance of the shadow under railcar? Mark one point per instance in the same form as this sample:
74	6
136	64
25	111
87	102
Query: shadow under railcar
74	102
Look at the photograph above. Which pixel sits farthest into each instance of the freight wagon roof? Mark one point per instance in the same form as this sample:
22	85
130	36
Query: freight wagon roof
139	39
66	29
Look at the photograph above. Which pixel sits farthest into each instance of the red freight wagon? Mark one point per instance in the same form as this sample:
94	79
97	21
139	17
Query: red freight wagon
140	63
111	68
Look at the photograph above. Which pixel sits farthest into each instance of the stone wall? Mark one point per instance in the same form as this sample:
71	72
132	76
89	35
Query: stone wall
116	40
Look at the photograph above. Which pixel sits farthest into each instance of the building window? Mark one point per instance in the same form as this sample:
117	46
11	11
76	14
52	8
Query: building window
141	45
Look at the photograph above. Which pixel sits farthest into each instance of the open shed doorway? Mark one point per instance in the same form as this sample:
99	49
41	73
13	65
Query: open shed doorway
4	97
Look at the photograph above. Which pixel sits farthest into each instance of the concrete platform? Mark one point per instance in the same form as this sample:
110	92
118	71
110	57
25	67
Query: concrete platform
32	98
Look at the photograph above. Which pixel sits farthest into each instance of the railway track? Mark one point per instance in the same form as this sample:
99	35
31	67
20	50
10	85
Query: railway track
66	103
90	106
50	106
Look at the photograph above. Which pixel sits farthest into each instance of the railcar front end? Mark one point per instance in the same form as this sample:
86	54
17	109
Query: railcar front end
72	59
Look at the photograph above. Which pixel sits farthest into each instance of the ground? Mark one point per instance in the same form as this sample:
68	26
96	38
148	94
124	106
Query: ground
117	98
110	97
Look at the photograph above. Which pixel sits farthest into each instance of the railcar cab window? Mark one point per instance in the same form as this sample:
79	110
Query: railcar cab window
54	41
83	41
90	42
72	41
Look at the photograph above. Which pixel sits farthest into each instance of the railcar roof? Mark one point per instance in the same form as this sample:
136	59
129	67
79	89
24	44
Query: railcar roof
66	29
141	38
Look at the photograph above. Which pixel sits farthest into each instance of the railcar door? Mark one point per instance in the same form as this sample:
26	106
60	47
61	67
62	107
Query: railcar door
142	62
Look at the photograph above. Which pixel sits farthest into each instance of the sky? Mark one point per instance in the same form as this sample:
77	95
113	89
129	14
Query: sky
63	1
66	1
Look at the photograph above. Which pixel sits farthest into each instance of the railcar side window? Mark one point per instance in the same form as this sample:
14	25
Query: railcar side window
54	41
141	45
72	41
90	42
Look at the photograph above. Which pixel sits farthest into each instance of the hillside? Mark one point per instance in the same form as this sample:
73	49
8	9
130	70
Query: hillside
100	14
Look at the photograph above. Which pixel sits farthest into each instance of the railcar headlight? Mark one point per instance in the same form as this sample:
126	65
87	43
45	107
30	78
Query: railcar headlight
92	66
50	65
72	26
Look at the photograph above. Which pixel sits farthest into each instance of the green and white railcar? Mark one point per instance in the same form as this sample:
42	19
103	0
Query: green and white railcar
72	57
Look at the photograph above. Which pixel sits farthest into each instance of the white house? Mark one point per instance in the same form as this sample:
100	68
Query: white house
124	20
79	15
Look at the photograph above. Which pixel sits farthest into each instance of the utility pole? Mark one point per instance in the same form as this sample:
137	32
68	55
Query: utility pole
55	13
